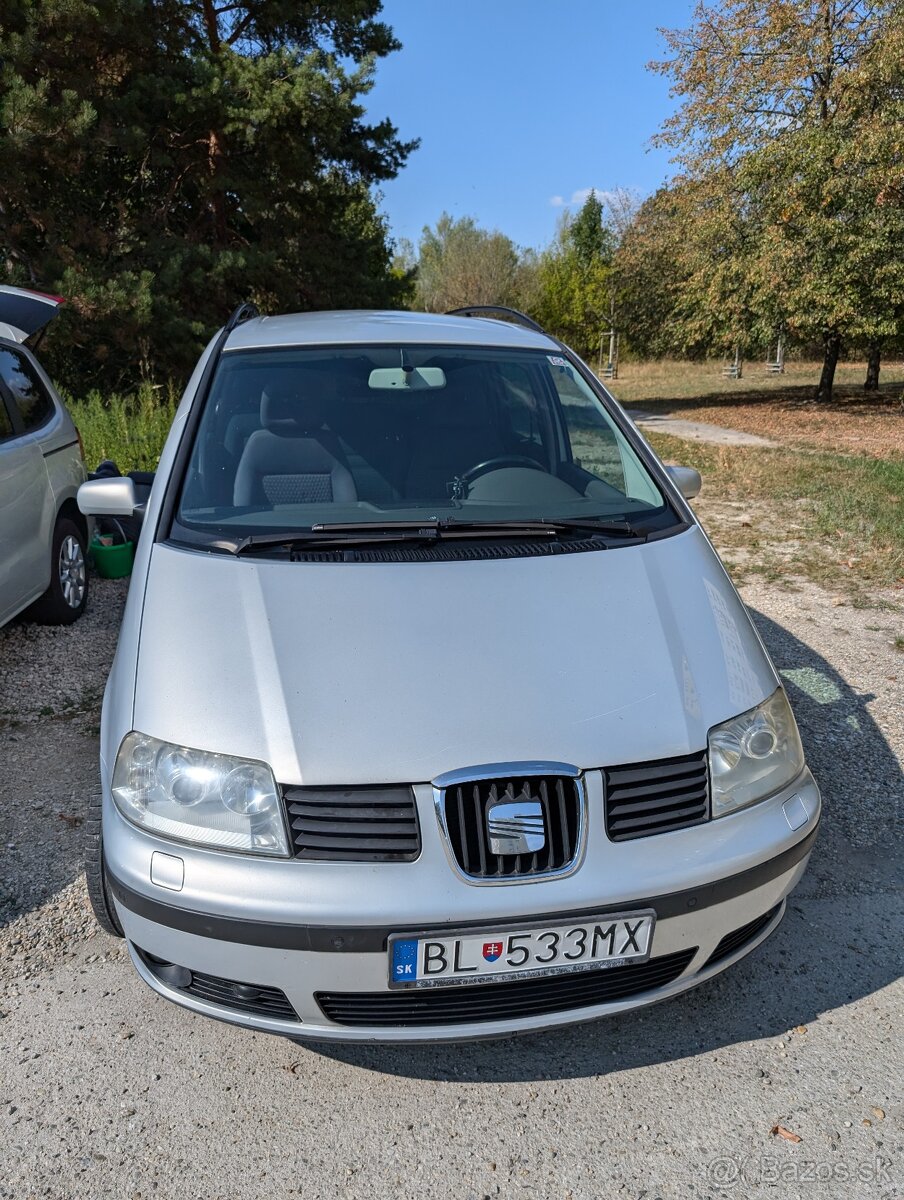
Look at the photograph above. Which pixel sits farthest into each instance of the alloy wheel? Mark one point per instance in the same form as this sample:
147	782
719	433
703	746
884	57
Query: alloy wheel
73	575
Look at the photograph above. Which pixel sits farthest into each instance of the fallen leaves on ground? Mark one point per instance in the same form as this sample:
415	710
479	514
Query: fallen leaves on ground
782	1132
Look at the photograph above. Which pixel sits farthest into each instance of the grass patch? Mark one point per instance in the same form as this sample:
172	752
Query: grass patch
129	429
666	382
836	518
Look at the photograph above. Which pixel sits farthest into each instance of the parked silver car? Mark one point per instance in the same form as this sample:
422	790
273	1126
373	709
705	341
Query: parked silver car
43	536
434	713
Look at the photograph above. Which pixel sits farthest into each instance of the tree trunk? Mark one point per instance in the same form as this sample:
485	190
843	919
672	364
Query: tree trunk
873	363
215	152
829	363
215	158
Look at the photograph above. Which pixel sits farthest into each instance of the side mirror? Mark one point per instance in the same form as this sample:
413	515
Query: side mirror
110	497
686	479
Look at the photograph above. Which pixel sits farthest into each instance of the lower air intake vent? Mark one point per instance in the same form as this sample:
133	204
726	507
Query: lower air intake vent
656	797
740	937
353	824
260	1000
466	1005
522	825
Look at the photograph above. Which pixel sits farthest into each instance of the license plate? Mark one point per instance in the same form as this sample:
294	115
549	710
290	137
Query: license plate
506	952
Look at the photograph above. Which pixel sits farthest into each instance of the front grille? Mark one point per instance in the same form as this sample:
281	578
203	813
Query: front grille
352	824
257	999
656	797
466	807
469	1004
740	937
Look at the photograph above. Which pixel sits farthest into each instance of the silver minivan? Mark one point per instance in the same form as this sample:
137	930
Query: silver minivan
434	714
43	536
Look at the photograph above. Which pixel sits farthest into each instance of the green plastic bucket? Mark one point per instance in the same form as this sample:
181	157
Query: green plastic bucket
113	562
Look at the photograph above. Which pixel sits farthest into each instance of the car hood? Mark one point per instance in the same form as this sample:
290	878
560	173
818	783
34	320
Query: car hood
396	672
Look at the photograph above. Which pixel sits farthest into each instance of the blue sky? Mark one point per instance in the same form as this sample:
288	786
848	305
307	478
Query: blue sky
520	105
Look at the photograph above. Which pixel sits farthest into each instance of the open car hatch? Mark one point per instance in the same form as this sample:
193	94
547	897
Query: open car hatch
23	312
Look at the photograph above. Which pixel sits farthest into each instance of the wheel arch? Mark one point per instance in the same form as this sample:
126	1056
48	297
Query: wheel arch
70	510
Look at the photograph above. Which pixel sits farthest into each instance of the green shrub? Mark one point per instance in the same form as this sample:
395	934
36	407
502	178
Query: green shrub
129	429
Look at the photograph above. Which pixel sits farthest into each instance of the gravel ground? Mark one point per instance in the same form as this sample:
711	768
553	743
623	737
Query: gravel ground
106	1090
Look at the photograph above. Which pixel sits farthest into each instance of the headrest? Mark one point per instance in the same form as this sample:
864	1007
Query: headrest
291	409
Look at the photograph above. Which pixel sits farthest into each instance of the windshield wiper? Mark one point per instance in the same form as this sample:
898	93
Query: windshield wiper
618	528
360	533
531	527
328	537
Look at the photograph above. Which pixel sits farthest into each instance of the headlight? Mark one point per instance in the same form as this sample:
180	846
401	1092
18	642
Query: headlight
210	799
754	755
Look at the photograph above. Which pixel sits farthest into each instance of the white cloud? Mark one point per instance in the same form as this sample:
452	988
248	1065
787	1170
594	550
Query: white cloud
578	197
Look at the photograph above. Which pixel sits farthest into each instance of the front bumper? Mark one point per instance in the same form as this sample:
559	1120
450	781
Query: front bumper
312	928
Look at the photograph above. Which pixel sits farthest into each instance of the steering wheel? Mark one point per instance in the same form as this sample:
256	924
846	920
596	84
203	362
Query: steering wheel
495	464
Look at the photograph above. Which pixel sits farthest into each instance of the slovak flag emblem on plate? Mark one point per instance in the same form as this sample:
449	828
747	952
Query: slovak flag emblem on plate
492	950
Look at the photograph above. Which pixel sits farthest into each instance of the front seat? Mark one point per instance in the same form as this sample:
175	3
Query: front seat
292	459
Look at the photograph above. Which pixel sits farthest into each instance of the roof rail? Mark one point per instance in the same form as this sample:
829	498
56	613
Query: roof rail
244	312
483	310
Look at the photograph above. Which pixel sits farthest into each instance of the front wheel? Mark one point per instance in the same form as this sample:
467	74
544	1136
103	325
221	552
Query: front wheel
65	599
96	871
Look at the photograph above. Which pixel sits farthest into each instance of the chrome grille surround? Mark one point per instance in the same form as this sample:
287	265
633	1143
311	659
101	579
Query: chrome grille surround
445	784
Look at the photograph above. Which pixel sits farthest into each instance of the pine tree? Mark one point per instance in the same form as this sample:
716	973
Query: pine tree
163	161
574	278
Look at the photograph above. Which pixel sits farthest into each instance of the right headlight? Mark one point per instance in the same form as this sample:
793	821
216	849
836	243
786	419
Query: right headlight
195	796
755	755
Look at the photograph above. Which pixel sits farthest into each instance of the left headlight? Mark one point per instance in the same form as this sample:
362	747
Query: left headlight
194	796
753	756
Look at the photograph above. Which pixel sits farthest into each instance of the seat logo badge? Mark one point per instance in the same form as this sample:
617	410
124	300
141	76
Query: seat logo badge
516	827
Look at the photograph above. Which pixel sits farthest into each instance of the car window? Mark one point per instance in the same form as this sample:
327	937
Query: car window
6	425
29	394
599	447
294	437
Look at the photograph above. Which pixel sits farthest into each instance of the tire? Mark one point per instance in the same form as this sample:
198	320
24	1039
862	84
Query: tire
65	599
96	870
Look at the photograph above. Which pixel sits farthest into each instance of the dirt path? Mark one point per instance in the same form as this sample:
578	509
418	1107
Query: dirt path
695	431
107	1091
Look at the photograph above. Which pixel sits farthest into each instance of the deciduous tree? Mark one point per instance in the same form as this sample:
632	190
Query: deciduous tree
459	264
770	106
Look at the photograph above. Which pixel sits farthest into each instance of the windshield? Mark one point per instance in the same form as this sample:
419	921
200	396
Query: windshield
295	438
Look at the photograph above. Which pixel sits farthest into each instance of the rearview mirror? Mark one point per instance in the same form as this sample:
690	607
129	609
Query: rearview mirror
110	497
414	379
687	480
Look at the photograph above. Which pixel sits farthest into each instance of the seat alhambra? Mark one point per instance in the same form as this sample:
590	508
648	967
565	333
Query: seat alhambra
434	713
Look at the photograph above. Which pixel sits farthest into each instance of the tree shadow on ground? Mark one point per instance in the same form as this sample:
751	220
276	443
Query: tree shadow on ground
840	939
850	399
